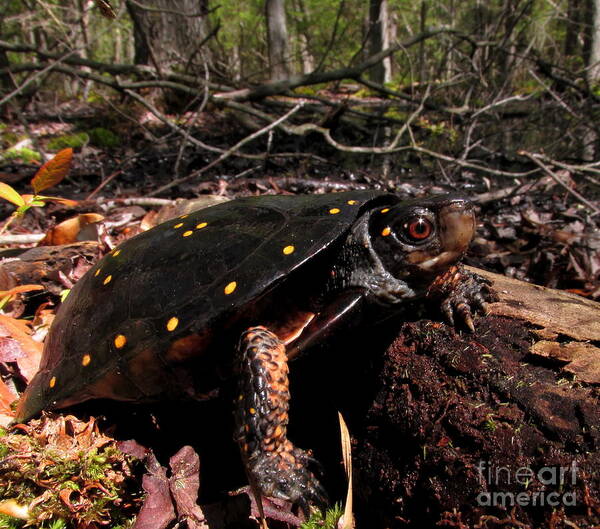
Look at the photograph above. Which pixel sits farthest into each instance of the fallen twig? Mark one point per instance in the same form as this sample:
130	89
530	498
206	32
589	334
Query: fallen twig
536	160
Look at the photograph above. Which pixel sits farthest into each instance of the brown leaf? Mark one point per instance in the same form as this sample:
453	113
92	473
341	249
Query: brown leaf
7	396
20	289
157	512
65	496
347	519
184	483
73	230
17	334
53	171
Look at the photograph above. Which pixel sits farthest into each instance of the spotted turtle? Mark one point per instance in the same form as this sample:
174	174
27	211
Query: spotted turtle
245	286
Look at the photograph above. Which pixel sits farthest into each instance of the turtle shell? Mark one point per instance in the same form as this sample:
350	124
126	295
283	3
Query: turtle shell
165	289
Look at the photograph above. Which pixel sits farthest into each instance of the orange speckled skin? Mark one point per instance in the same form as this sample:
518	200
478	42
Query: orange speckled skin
278	468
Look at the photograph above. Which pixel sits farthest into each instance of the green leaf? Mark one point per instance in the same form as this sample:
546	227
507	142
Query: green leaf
8	193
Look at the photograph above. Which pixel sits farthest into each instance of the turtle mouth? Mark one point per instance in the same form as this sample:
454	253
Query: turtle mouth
456	229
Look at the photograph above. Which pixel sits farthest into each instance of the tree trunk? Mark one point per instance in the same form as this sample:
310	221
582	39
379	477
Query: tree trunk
593	73
302	25
278	39
573	28
171	33
378	40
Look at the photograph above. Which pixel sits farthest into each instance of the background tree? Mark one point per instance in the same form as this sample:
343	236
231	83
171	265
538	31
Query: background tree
171	33
279	57
378	36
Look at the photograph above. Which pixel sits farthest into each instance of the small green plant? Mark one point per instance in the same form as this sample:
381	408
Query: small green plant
24	154
8	522
490	423
329	521
68	141
104	138
48	175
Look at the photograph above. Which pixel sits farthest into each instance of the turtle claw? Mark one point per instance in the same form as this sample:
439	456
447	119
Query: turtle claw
285	475
462	293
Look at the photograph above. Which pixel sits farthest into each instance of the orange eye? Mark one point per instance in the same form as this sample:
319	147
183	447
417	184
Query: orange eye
418	229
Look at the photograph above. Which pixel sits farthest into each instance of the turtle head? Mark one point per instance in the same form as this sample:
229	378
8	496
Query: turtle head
419	239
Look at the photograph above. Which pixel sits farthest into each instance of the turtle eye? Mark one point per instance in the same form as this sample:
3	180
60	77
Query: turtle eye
417	229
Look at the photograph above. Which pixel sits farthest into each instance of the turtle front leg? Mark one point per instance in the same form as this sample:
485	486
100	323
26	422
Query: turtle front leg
275	467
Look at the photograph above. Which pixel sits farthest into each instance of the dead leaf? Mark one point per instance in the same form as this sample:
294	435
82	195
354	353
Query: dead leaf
53	171
347	519
73	230
184	483
157	512
17	337
20	289
14	509
7	397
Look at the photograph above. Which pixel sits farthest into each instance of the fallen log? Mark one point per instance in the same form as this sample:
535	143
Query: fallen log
500	428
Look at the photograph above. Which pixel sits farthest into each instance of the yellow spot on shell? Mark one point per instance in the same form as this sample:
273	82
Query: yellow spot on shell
85	360
52	382
120	341
352	202
97	272
107	279
241	397
386	231
187	233
334	211
384	210
178	225
183	216
230	288
252	411
288	250
172	324
201	225
116	252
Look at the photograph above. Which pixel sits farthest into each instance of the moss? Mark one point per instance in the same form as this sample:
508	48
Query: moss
310	90
8	522
104	138
26	155
9	138
74	141
56	467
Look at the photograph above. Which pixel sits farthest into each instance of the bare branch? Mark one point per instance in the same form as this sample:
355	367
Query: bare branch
536	159
229	151
352	72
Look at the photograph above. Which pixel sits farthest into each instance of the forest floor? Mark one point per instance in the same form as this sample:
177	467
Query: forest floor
536	230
